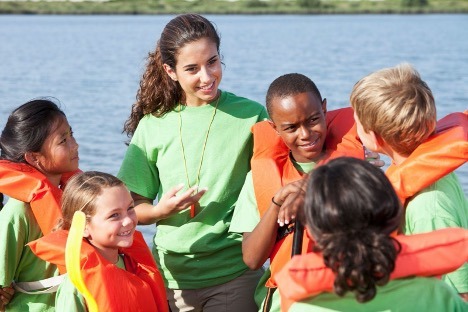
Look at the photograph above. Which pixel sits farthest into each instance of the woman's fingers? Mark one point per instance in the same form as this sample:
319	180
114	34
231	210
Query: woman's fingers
374	158
173	191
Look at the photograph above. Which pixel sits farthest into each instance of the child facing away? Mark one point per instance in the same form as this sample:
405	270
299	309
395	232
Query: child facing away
352	213
116	264
38	152
300	136
186	132
395	115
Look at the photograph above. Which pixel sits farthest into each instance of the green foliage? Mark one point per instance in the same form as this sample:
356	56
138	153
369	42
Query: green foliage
414	3
234	7
309	3
256	4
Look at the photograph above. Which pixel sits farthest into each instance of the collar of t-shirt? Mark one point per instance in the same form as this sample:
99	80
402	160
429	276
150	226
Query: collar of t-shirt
304	167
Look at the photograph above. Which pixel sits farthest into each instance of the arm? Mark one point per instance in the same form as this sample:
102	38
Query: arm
169	204
6	293
13	237
257	245
464	296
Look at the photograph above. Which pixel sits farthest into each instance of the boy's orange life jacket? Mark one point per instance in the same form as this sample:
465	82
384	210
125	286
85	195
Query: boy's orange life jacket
439	155
25	183
428	254
138	288
272	169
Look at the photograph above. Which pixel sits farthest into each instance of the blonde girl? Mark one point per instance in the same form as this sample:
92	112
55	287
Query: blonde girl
115	263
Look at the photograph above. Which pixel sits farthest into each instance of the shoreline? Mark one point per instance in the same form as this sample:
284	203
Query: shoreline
245	7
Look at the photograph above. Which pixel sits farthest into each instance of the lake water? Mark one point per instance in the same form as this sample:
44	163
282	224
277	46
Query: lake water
92	64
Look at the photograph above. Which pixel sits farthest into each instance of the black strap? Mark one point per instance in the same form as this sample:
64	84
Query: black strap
268	299
297	239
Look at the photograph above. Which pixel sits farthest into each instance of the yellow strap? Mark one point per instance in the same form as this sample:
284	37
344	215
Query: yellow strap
72	258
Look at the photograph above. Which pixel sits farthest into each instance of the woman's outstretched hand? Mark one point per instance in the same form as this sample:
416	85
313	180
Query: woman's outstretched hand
171	202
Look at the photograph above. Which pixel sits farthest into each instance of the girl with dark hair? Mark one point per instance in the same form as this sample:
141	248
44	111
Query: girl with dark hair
186	132
38	152
352	212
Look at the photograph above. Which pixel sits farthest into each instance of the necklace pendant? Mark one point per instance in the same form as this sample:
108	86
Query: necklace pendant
192	211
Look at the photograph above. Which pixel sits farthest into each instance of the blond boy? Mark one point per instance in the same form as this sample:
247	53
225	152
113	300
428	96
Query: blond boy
395	112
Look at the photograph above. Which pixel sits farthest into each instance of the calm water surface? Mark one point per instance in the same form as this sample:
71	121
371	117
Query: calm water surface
92	64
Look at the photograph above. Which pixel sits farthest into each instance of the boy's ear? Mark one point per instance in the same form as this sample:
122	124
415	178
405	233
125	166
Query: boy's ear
272	124
377	141
168	69
324	105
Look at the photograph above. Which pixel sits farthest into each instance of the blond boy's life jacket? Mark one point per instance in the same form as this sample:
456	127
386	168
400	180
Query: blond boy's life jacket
428	254
25	183
440	154
138	288
272	168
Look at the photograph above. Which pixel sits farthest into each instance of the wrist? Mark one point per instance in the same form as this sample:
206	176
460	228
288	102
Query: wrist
276	203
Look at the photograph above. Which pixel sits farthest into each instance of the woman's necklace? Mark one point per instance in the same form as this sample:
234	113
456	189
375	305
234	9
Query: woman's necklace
192	207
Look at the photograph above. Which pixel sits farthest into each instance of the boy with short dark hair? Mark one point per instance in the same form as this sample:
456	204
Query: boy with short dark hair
300	135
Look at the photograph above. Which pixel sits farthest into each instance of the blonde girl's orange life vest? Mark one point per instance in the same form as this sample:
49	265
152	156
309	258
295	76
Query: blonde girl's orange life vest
24	183
428	254
439	155
138	288
272	169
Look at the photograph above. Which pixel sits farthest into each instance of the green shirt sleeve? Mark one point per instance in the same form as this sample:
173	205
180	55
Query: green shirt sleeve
138	169
246	215
441	205
18	227
13	236
68	298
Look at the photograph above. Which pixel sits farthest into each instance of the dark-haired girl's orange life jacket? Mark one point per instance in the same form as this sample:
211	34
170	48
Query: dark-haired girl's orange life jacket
138	288
439	155
428	254
25	183
272	168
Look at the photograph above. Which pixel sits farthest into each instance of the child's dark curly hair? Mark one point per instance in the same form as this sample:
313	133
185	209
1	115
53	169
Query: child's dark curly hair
351	209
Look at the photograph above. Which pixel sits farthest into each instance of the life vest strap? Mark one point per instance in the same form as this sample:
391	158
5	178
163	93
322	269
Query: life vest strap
45	286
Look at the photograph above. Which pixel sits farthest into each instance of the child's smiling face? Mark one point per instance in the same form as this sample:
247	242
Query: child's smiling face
300	121
113	224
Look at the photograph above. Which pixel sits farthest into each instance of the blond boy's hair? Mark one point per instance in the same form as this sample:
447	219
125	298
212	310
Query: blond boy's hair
396	104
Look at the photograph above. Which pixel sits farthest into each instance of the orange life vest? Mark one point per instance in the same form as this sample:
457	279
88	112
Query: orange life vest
138	288
272	169
25	183
439	155
428	254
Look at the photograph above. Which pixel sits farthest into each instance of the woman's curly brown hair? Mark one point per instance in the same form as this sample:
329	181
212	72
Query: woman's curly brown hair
158	94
